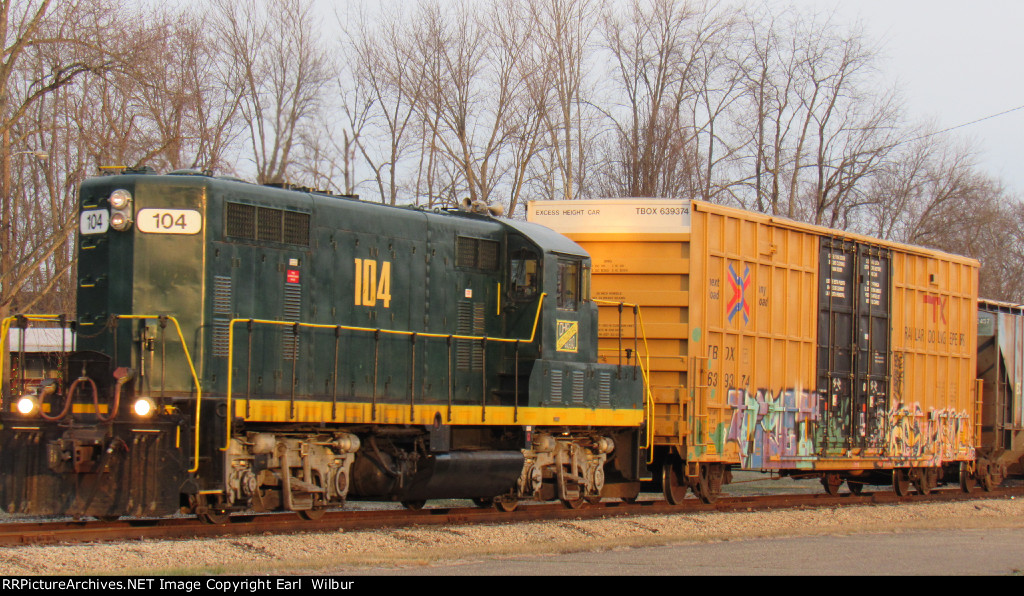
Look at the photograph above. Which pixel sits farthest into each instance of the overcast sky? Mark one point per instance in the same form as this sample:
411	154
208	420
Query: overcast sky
955	61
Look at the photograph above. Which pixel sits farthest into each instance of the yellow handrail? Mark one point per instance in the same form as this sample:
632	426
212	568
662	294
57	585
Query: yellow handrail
231	344
644	371
192	369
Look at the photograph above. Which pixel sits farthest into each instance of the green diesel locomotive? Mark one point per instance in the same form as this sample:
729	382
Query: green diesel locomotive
245	347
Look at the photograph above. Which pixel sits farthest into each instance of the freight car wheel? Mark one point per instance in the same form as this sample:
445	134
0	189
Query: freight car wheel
990	480
927	479
415	505
967	481
483	502
672	484
856	488
900	482
708	485
831	481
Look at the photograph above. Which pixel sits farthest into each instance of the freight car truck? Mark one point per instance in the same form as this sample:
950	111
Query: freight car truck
779	346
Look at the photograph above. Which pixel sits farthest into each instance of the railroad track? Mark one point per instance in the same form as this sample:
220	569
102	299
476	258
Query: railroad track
18	533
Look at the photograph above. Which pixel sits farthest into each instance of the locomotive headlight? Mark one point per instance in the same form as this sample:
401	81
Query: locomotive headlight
120	198
27	405
120	221
144	407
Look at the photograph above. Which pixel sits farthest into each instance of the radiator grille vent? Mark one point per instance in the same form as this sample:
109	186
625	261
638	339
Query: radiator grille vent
265	224
476	253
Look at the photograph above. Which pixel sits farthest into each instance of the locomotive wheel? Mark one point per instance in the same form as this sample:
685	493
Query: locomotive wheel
210	514
311	514
574	503
672	485
216	518
414	505
900	482
506	505
831	481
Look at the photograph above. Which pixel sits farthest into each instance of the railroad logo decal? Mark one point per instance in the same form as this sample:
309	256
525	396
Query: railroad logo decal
567	334
739	288
938	306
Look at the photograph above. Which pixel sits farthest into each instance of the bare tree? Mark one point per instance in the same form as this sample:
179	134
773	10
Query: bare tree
659	49
279	63
49	47
564	31
384	94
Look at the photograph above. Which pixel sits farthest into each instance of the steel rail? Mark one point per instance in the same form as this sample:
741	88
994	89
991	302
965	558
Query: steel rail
15	533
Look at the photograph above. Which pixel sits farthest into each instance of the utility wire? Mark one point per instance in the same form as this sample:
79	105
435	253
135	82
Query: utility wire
938	132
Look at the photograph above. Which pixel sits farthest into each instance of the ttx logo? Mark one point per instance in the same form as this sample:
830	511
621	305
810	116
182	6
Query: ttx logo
739	287
938	307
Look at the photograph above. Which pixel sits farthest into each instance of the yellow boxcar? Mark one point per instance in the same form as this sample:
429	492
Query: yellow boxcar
777	345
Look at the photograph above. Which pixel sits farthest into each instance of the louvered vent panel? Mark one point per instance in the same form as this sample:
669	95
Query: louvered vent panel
604	390
221	315
556	386
578	381
478	331
292	312
468	352
463	348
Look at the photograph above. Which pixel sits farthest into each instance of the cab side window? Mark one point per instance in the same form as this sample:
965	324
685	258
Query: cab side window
568	292
524	274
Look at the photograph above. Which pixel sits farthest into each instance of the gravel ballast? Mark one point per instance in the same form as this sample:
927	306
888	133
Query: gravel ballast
319	553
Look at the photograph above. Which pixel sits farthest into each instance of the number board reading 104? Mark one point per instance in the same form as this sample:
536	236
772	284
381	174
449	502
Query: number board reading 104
169	221
94	221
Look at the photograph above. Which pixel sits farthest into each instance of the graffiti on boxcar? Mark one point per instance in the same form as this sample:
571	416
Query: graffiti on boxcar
772	426
781	427
937	436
